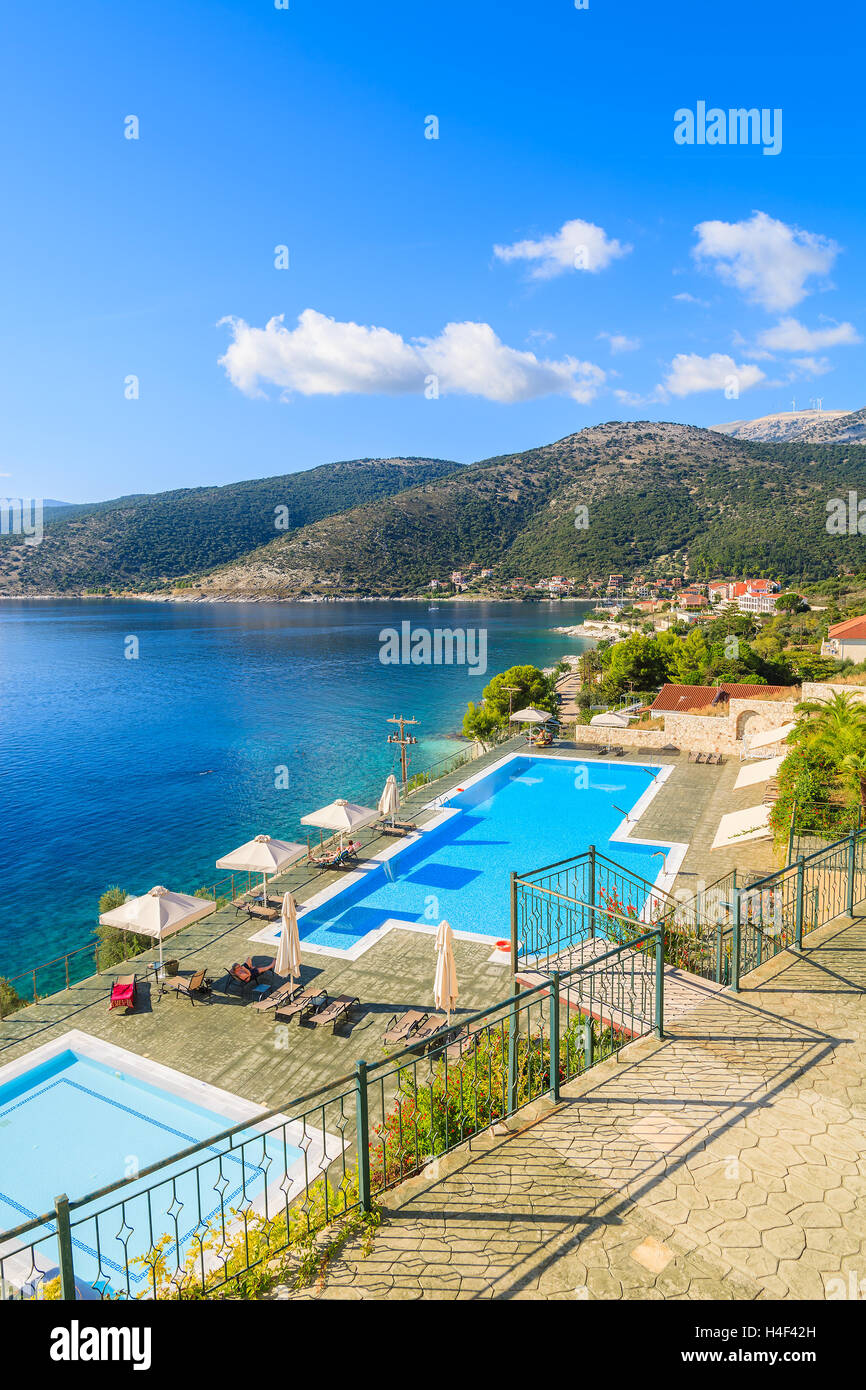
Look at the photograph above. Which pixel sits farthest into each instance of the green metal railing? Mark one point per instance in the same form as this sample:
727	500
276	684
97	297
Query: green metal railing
721	933
203	1219
732	928
561	905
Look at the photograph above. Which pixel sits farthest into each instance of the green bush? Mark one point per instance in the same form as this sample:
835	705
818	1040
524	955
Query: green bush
10	999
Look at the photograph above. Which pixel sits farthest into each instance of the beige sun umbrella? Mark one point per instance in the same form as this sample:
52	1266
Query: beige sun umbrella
262	855
389	801
529	716
610	719
159	913
341	816
288	961
445	992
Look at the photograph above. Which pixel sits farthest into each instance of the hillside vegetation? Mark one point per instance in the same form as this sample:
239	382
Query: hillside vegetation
142	541
658	496
637	498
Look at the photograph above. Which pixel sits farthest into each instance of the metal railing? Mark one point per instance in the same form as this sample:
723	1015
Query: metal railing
47	977
212	1215
560	905
730	929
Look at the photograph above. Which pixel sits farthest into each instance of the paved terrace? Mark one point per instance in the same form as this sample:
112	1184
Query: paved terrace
726	1161
232	1046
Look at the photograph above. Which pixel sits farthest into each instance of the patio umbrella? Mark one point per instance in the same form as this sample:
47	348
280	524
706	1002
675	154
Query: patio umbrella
341	816
389	801
529	716
445	991
158	913
261	856
288	961
609	720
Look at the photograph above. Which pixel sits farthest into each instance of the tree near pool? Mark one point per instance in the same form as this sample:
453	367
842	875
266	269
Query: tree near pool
529	686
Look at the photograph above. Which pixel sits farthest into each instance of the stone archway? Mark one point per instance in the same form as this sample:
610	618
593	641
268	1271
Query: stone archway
744	721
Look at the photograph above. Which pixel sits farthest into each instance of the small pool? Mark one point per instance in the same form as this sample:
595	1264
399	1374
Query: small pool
522	814
85	1115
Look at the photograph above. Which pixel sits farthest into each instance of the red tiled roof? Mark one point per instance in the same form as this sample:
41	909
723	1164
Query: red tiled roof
852	628
680	699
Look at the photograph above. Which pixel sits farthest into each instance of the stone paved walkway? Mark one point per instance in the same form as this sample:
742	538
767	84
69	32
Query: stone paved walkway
726	1161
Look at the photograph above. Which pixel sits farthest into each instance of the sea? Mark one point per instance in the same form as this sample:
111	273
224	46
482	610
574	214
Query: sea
140	741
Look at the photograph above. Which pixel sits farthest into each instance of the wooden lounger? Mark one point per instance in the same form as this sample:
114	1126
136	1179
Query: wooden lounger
269	914
281	994
188	985
399	1029
334	1012
463	1043
247	975
302	1005
399	827
430	1031
123	993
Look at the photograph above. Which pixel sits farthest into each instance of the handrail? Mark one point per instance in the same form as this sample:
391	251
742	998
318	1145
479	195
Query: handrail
347	1079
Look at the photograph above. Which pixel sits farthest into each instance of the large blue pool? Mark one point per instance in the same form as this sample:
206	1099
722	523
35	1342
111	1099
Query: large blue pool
526	813
72	1124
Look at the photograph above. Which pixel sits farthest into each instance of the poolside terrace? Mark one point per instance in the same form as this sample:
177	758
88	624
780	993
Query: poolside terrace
230	1045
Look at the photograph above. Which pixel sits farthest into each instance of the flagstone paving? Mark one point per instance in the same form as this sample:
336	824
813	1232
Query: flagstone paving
726	1161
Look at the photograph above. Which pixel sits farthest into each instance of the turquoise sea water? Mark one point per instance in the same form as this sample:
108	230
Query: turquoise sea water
526	813
144	771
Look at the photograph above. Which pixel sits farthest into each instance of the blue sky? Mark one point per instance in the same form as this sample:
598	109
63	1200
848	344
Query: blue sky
703	265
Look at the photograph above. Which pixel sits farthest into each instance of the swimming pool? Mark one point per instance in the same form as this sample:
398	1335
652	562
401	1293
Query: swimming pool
519	815
80	1114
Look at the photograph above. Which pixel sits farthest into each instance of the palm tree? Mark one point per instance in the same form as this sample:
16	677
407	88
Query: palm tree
855	765
836	732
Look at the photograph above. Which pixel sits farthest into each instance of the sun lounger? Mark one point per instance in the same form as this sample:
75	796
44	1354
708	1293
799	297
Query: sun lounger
254	909
716	759
616	751
433	1031
586	747
399	1029
279	995
123	993
334	1012
302	1005
188	986
669	748
247	976
463	1043
397	827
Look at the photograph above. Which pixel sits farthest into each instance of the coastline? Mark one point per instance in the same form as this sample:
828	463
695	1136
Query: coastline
140	597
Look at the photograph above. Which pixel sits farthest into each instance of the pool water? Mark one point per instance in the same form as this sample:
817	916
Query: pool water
524	814
72	1124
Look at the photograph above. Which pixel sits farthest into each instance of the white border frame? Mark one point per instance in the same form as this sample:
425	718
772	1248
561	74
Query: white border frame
316	1159
664	880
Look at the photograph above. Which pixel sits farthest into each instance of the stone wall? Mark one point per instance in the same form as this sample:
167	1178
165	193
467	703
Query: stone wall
702	733
823	690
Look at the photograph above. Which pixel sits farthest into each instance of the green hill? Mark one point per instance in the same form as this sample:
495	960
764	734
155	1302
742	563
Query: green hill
147	540
658	496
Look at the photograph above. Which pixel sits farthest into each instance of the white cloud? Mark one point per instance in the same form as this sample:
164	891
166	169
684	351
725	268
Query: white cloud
789	335
686	298
810	366
323	357
618	342
689	373
577	245
768	261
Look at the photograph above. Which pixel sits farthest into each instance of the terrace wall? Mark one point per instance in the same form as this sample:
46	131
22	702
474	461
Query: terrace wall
822	690
701	733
